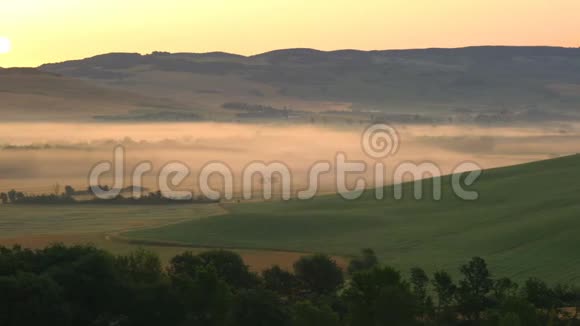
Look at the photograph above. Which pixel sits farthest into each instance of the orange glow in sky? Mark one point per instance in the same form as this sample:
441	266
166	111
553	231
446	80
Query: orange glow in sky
42	31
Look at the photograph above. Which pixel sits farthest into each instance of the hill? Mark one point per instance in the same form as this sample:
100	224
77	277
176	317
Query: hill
525	223
474	84
32	94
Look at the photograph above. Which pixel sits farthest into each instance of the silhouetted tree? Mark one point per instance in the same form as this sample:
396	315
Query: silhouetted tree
69	191
186	263
380	297
280	281
517	311
56	189
4	198
205	299
20	196
28	300
258	307
12	195
566	296
319	273
445	290
140	266
504	288
82	285
230	267
474	287
308	314
419	285
539	294
91	284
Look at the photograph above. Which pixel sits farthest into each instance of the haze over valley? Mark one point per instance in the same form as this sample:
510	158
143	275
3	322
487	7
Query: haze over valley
289	163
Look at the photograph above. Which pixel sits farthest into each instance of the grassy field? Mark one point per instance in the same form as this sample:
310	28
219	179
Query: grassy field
40	226
525	223
17	221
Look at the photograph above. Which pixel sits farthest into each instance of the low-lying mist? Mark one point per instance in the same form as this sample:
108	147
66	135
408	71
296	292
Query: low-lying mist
34	157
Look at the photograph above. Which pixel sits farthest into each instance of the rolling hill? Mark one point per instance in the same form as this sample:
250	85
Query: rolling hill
525	223
481	84
30	94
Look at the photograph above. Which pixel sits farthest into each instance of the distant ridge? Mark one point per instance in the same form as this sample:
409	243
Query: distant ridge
483	49
478	84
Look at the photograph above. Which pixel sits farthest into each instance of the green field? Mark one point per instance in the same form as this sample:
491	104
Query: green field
28	220
99	225
41	225
525	223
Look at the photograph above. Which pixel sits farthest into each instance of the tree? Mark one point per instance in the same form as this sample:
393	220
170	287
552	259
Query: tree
444	288
504	288
474	287
83	285
446	292
380	297
59	256
420	284
150	303
566	296
368	260
476	277
280	281
69	191
186	263
307	314
140	266
56	189
29	300
91	285
205	299
517	311
319	273
20	196
12	195
4	198
539	294
258	307
230	267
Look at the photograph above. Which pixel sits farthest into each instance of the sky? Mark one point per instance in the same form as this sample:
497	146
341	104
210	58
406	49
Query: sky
43	31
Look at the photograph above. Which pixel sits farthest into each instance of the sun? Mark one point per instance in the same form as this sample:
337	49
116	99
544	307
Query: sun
5	45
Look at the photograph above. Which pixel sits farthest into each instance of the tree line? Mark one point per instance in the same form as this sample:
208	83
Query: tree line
83	285
68	197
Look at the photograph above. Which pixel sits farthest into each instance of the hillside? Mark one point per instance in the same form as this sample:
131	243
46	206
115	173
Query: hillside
525	224
32	94
475	84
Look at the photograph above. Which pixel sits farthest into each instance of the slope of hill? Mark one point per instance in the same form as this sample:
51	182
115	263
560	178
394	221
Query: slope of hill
489	83
31	94
525	223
